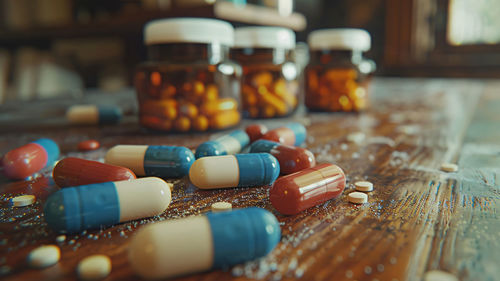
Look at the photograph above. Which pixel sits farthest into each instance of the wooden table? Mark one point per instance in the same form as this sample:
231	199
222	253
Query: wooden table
418	218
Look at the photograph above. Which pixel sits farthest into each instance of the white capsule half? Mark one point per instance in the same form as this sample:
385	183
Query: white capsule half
129	156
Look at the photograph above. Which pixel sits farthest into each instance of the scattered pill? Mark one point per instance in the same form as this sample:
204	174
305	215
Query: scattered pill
294	193
291	158
358	197
449	167
221	206
240	170
23	200
255	131
88	145
28	159
364	186
231	143
356	137
93	114
438	275
154	160
290	134
61	238
74	209
94	267
44	256
199	243
73	171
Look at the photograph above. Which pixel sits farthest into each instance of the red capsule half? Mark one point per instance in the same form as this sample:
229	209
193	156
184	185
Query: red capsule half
73	171
24	161
296	192
255	131
291	158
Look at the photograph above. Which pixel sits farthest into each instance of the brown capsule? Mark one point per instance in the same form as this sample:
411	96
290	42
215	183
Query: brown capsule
88	145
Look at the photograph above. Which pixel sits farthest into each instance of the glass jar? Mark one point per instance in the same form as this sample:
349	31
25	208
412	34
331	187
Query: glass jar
269	84
188	82
337	77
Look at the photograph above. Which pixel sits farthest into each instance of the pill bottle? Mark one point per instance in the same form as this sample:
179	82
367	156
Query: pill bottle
188	83
337	76
269	83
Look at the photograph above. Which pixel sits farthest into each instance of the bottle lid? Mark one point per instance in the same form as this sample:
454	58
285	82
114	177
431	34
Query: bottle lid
340	39
264	37
188	30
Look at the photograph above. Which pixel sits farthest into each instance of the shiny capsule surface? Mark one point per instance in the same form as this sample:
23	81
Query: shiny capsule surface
296	192
240	170
231	143
28	159
74	171
199	243
255	131
291	158
74	209
290	134
88	145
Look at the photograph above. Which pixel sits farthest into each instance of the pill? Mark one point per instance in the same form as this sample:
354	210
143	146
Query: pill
231	143
60	238
73	171
365	186
291	158
28	159
357	197
438	275
93	114
23	200
225	119
200	243
94	267
240	170
221	206
255	131
88	145
356	137
44	256
290	134
74	209
291	194
449	167
154	160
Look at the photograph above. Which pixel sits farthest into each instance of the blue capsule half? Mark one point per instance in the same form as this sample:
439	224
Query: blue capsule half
231	143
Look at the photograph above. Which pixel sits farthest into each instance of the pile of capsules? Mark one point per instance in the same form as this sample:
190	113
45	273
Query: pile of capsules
94	195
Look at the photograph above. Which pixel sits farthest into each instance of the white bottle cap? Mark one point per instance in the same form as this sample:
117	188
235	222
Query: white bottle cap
189	30
340	39
264	37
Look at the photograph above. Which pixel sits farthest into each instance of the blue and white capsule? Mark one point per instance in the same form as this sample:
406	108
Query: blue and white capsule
240	170
94	114
199	243
73	209
154	160
231	143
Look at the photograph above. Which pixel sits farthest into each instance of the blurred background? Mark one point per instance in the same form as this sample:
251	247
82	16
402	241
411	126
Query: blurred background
61	48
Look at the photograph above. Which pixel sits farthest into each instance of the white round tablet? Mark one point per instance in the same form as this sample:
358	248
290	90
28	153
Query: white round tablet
357	137
449	167
23	200
221	206
357	197
438	275
44	256
364	186
94	267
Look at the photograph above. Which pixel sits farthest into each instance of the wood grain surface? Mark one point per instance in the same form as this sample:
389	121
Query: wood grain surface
418	218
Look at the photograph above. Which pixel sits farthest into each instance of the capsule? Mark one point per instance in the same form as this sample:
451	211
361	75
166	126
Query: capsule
93	114
240	170
291	158
28	159
255	131
154	160
74	209
296	192
290	134
199	243
231	143
73	171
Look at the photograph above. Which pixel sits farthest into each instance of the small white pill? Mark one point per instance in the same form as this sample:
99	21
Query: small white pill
23	200
44	256
358	197
61	238
364	186
94	267
438	275
357	137
449	167
221	207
